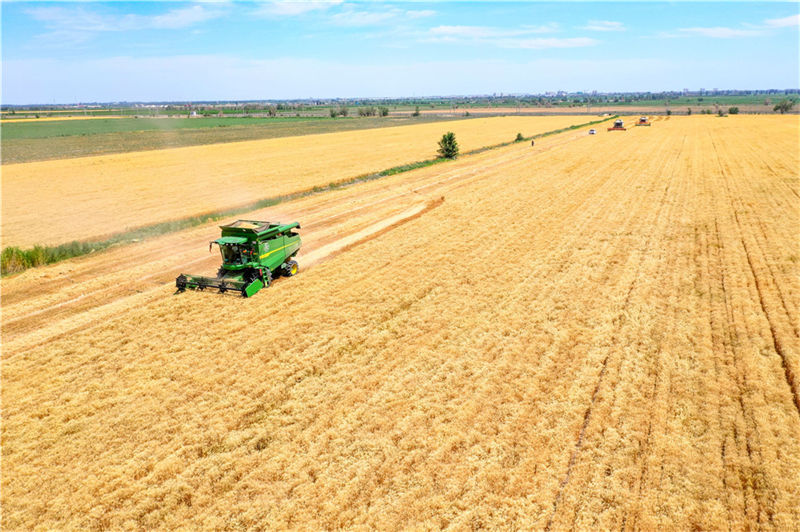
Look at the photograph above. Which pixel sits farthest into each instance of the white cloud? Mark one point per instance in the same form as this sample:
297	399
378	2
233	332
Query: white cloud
487	32
73	20
542	44
720	32
604	25
183	17
291	8
518	38
749	30
363	17
791	20
420	13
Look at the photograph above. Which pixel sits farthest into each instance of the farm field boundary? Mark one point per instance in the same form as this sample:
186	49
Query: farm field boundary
15	259
68	138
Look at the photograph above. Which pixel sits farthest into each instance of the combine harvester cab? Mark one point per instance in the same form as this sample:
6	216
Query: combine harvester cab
618	125
643	121
253	253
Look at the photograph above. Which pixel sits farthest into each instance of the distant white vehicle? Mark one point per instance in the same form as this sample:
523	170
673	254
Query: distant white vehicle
592	131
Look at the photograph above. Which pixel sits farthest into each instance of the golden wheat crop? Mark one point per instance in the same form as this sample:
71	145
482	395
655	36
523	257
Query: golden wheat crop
601	332
91	197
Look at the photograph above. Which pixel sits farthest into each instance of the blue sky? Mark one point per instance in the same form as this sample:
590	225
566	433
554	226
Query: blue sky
60	52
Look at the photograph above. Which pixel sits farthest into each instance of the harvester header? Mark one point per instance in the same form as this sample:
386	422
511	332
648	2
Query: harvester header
618	125
253	253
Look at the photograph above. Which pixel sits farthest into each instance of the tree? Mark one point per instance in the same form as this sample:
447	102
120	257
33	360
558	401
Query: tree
384	111
733	110
519	138
416	111
448	147
669	112
689	111
783	106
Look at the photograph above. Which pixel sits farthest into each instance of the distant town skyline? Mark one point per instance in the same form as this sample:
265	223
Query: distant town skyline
61	53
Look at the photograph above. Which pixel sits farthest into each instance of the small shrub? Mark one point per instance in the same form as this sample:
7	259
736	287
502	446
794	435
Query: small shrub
519	138
733	110
782	106
448	147
669	112
689	111
416	111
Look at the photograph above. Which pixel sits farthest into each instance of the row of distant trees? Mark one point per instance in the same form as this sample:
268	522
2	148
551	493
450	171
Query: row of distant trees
369	110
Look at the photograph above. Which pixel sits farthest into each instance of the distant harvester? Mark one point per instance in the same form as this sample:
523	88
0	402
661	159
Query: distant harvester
618	125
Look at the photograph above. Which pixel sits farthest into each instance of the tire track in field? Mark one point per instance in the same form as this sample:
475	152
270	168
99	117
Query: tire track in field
619	322
85	302
103	296
319	254
761	488
791	379
674	201
763	232
561	255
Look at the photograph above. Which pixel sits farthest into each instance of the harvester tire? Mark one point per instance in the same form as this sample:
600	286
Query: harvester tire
267	278
290	268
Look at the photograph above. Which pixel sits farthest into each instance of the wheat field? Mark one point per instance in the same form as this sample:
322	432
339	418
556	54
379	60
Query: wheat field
595	332
128	190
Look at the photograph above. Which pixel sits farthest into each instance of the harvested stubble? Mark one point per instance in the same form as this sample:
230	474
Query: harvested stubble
91	197
572	339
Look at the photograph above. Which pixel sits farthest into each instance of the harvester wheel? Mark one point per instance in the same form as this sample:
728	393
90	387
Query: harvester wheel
267	277
290	268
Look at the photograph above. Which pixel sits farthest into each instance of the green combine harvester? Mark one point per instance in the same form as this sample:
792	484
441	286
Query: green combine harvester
253	253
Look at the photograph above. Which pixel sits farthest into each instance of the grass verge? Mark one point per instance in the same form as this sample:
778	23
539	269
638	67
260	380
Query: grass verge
14	259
